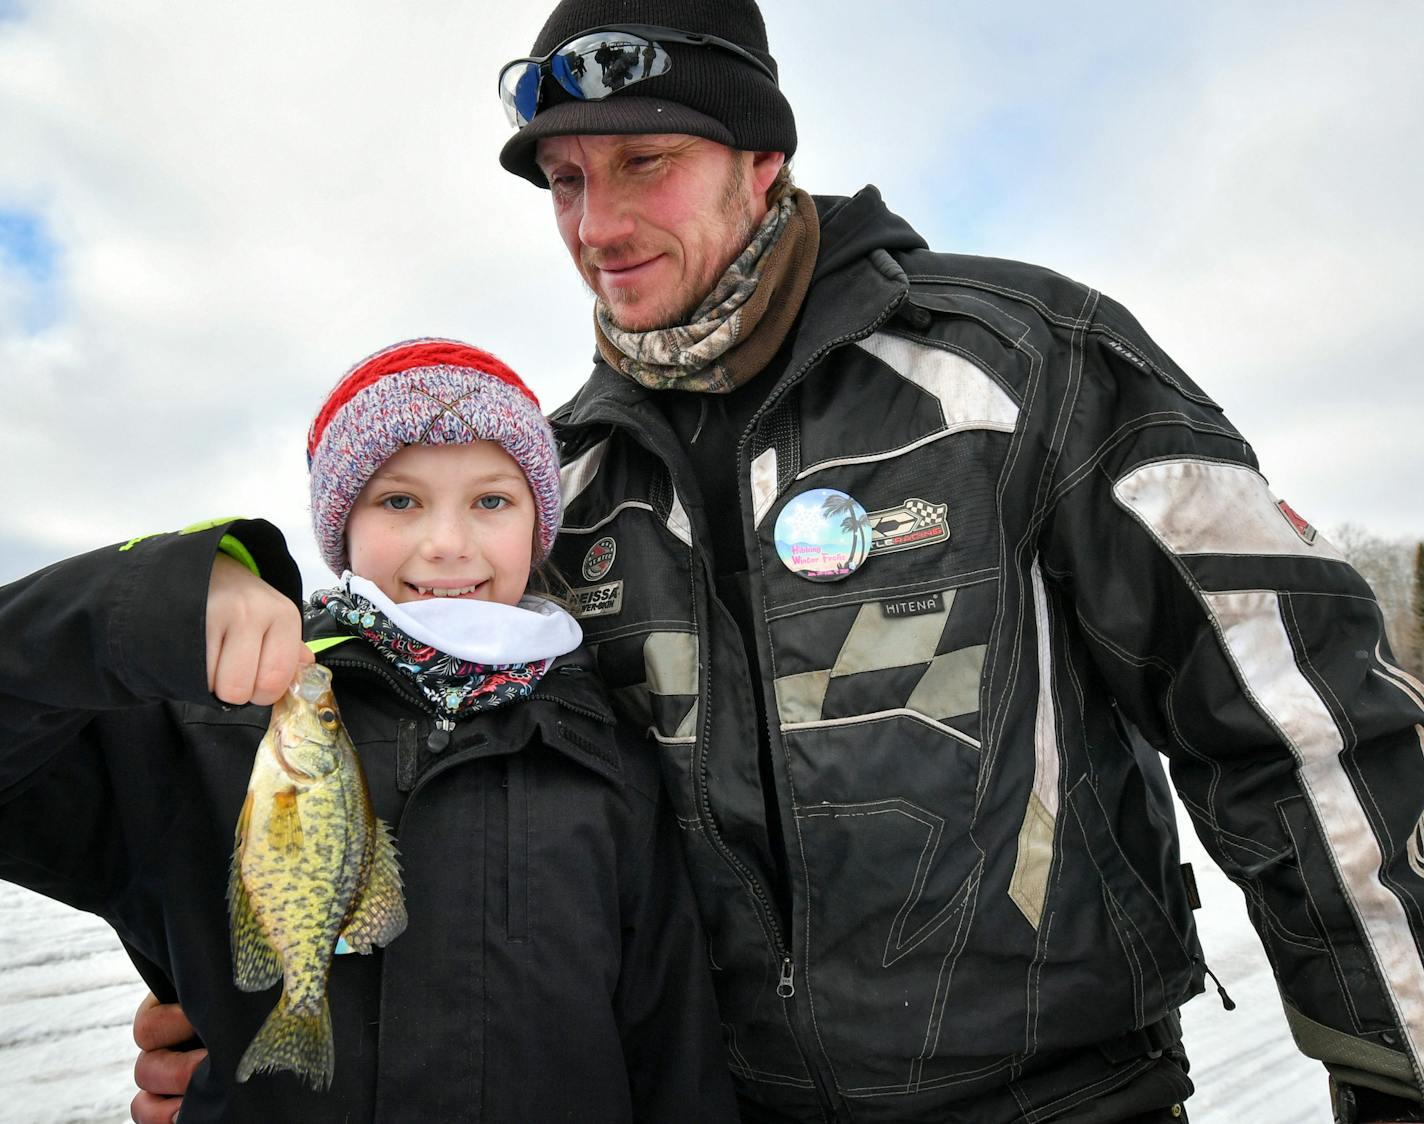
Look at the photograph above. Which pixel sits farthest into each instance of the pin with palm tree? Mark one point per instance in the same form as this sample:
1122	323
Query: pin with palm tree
854	521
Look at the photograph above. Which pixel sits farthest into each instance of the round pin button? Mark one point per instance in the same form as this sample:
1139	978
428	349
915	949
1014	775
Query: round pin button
822	535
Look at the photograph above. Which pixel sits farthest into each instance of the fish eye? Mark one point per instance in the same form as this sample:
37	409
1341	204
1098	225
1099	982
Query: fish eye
327	717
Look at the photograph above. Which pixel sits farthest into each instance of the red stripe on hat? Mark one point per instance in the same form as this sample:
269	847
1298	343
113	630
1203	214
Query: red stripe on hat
407	357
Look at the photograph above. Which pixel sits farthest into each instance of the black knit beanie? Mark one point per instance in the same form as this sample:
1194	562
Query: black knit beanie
706	92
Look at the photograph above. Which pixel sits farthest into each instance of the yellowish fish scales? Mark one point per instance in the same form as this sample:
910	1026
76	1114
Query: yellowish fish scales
311	863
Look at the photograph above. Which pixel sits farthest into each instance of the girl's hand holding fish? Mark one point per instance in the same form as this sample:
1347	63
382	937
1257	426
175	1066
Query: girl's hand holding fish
254	636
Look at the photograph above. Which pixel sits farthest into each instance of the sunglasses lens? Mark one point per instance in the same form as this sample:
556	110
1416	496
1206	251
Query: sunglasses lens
519	91
593	66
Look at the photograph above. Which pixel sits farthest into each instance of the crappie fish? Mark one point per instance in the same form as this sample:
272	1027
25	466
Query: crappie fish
311	863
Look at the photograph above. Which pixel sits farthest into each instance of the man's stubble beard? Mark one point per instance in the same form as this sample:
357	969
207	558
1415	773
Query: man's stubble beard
738	215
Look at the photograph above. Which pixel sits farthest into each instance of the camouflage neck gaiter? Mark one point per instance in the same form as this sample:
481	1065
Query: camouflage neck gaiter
736	330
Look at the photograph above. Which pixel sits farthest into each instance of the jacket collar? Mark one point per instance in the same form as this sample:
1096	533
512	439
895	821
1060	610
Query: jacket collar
856	285
568	709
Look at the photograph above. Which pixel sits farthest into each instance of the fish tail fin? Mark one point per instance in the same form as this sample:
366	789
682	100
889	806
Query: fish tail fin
293	1040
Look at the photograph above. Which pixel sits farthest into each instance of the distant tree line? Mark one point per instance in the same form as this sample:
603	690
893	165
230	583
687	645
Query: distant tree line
1395	570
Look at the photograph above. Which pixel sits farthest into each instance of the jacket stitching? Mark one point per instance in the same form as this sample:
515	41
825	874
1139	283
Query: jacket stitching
863	596
626	505
965	352
1205	814
1119	436
1060	319
1187	953
995	651
987	322
1341	981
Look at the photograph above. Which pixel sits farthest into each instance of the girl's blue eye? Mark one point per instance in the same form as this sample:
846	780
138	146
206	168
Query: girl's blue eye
492	503
398	503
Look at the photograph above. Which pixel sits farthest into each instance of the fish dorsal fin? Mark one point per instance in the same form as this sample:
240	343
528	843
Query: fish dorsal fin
255	966
379	917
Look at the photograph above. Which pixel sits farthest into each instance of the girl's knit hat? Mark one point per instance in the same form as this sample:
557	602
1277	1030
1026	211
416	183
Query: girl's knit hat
424	392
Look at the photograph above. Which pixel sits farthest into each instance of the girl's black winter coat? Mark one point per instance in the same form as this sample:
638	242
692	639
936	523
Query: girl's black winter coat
552	969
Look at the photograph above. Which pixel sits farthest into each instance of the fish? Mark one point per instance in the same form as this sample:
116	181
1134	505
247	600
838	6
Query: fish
311	865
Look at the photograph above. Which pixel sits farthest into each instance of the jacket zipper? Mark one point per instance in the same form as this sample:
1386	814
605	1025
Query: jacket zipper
443	725
401	688
771	926
785	985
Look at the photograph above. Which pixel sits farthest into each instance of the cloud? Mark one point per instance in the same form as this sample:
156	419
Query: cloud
1238	175
236	206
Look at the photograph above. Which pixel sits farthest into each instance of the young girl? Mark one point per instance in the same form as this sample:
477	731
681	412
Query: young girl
552	967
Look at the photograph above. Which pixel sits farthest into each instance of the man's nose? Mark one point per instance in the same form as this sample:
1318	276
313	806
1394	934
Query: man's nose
606	219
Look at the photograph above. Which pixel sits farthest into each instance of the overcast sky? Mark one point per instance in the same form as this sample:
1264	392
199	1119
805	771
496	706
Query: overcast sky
209	211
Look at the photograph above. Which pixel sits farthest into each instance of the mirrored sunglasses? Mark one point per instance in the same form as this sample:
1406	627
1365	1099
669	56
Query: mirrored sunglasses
594	64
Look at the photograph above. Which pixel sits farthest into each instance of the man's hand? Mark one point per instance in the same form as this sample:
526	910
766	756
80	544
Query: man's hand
254	636
161	1073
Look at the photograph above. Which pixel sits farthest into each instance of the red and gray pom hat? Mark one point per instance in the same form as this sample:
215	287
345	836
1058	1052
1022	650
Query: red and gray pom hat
424	392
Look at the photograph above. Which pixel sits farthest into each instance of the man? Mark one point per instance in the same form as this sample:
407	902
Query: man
911	563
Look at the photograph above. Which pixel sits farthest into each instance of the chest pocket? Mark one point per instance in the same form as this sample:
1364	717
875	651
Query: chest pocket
625	549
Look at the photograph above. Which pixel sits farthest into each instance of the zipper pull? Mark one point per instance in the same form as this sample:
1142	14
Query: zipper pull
784	987
1226	1001
440	736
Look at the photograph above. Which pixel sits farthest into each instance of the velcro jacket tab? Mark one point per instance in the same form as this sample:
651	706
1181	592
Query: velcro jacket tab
590	744
574	716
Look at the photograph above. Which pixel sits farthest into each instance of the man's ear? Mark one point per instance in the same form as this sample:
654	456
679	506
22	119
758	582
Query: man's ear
765	166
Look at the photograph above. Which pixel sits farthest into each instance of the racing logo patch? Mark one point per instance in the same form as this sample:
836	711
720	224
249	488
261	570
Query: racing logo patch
599	559
1301	527
914	523
598	600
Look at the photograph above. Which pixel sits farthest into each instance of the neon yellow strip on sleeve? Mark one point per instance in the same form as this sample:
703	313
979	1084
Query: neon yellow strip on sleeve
191	529
233	548
319	646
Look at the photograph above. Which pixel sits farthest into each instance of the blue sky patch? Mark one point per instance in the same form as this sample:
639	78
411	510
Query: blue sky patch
24	242
27	249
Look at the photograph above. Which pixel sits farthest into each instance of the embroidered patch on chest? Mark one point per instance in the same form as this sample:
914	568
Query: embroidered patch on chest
598	600
913	524
599	559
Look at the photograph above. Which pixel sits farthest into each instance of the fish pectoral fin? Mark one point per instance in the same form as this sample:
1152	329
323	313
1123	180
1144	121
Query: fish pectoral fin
379	916
255	965
284	823
244	817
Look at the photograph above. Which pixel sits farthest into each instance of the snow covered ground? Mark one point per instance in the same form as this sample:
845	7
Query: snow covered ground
68	993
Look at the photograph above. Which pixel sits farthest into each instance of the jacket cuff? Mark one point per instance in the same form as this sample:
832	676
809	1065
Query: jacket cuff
1360	1104
160	611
